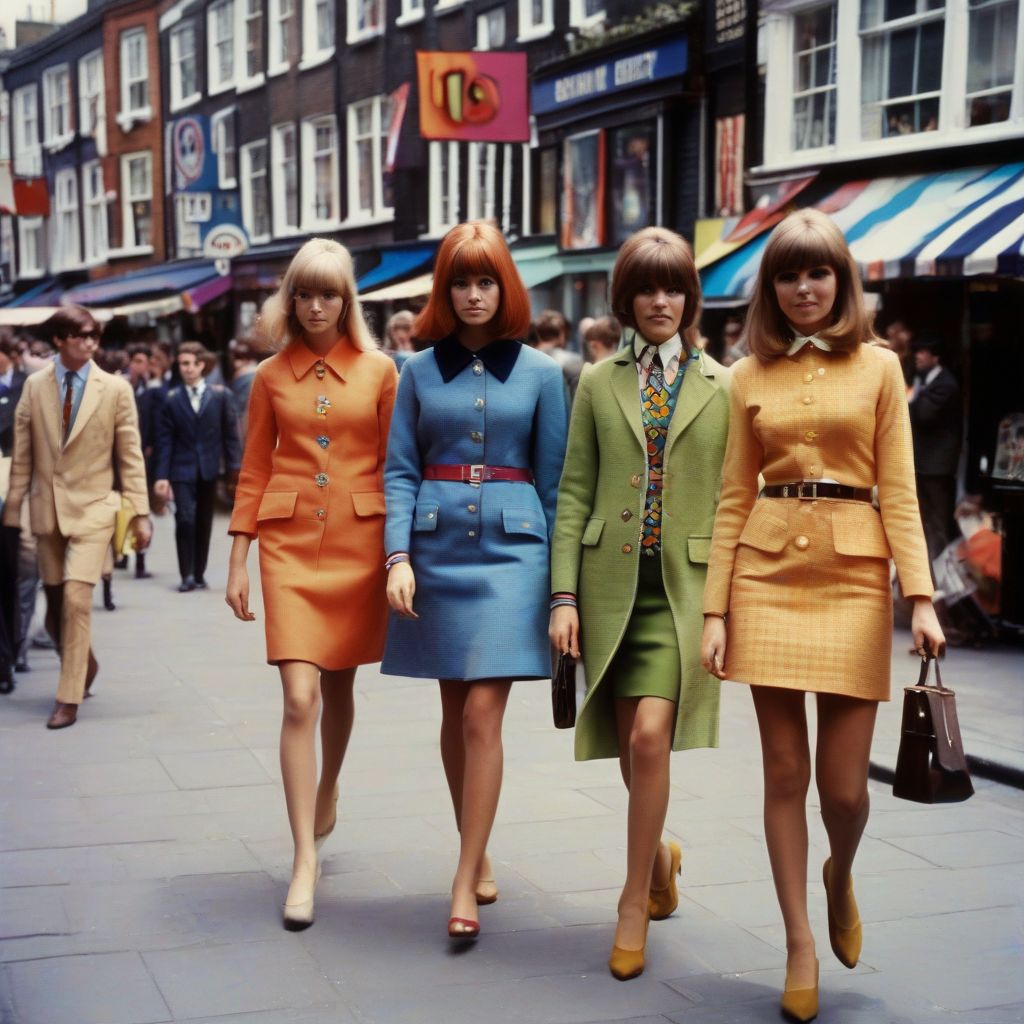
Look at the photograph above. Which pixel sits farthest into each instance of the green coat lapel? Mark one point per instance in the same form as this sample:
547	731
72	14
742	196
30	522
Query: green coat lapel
696	391
626	389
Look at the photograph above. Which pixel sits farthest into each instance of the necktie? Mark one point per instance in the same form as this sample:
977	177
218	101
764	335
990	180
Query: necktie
194	397
656	377
69	394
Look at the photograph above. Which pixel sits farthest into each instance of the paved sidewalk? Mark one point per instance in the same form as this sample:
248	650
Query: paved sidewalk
144	855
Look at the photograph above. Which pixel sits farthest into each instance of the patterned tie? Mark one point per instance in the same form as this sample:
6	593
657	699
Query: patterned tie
656	377
69	394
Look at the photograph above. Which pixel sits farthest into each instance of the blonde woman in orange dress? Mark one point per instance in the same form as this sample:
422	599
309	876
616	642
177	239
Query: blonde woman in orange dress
798	598
311	492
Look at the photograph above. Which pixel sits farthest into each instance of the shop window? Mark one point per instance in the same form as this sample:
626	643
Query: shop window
67	249
317	31
255	192
480	179
365	19
490	29
901	67
583	13
634	184
814	78
536	19
369	194
583	189
280	14
184	71
31	247
444	186
284	179
134	79
137	200
28	156
545	191
991	60
222	130
729	138
253	38
220	30
320	172
56	106
94	204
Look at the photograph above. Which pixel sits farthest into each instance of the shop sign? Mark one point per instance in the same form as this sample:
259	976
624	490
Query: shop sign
225	240
629	71
193	160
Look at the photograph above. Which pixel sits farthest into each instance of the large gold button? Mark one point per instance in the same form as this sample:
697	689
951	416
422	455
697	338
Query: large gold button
627	549
808	400
802	543
808	377
634	480
813	471
810	435
626	515
471	508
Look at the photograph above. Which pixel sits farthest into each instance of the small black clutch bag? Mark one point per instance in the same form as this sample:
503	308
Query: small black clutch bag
563	692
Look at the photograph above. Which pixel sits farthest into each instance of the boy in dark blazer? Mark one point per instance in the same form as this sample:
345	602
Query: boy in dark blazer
197	433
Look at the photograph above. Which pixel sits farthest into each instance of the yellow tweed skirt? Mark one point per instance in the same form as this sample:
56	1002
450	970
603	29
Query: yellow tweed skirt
808	617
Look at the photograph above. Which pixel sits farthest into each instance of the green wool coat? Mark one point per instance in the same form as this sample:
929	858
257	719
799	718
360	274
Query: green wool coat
596	545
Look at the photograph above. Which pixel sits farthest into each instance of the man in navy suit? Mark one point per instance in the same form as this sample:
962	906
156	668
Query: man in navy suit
196	433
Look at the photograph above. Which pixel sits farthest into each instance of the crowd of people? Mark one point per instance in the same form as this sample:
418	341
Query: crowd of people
671	521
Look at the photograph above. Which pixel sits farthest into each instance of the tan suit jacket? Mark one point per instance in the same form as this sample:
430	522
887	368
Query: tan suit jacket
71	486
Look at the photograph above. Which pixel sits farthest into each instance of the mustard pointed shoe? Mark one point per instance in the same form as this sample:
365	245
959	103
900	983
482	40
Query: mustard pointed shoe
801	1004
625	964
662	902
846	942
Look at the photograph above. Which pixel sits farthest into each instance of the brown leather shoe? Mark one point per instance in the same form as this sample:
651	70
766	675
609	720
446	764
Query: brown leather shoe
62	716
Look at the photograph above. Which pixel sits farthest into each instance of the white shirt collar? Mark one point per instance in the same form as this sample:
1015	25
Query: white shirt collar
801	340
667	349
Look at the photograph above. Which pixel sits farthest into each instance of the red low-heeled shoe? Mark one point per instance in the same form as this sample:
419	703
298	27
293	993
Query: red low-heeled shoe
463	928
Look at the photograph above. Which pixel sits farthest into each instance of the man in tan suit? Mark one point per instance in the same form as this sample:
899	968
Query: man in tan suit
74	427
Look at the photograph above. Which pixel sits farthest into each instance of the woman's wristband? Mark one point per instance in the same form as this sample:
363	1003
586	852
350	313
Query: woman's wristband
724	616
393	559
563	599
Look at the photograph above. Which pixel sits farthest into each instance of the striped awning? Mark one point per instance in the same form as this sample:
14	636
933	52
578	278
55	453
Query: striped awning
959	223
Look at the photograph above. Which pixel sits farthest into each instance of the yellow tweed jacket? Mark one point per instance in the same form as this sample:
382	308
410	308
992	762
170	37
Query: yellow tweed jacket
820	416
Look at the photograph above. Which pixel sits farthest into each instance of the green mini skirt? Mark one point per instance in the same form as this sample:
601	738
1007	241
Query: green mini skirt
647	663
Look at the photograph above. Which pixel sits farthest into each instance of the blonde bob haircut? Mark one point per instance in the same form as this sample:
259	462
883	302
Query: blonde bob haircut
656	258
320	265
804	240
471	249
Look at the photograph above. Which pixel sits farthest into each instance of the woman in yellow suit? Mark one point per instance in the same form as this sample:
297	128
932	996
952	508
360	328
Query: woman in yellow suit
798	581
311	490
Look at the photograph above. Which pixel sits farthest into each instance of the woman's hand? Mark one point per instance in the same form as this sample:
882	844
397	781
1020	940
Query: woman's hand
402	589
564	630
924	624
237	595
712	645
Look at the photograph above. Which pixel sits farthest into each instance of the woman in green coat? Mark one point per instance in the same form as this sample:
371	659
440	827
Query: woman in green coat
636	506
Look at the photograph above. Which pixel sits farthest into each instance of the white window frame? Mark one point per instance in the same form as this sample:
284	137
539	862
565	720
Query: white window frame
481	28
309	217
438	157
1016	87
579	19
356	34
312	51
67	234
278	193
528	28
280	14
5	125
179	99
377	138
412	11
94	215
128	115
443	6
37	227
223	129
481	166
216	82
246	14
28	151
89	93
57	99
248	175
130	245
814	90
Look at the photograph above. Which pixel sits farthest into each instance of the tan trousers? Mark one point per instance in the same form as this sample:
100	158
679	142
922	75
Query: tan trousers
76	563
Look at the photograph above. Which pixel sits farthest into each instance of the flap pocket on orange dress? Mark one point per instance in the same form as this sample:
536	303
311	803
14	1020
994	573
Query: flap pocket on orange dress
857	530
765	531
368	503
277	505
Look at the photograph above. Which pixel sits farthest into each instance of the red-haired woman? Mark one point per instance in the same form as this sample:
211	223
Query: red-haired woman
471	480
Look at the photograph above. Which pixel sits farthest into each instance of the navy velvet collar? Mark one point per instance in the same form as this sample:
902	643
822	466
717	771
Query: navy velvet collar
499	357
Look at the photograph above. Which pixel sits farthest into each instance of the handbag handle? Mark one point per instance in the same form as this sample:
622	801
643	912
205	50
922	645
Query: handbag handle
926	662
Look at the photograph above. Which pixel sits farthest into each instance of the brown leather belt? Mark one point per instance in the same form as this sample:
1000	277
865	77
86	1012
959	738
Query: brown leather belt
478	474
810	490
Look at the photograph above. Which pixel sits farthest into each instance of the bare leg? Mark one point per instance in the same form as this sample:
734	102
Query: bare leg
645	741
301	683
845	728
336	693
782	719
483	711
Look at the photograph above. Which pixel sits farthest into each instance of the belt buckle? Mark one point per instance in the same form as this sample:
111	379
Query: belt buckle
476	475
811	495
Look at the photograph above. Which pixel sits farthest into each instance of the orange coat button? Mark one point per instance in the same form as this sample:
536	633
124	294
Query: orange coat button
808	377
808	400
802	543
627	548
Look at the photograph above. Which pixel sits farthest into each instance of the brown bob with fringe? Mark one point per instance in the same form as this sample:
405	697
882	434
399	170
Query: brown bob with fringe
472	249
68	322
656	257
804	240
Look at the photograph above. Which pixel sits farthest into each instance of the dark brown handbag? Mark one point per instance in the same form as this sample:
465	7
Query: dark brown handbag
563	692
931	767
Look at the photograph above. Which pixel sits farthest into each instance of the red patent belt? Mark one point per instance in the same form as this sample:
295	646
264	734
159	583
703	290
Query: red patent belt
477	474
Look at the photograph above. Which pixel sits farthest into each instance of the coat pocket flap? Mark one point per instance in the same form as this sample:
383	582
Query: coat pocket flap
699	549
765	532
426	516
523	521
368	503
857	530
592	533
277	505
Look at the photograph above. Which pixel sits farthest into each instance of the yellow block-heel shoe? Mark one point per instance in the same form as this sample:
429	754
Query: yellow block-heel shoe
628	963
801	1004
846	942
662	902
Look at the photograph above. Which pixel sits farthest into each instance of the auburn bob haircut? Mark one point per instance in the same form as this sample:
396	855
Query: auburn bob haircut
472	249
656	258
804	240
68	322
320	265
